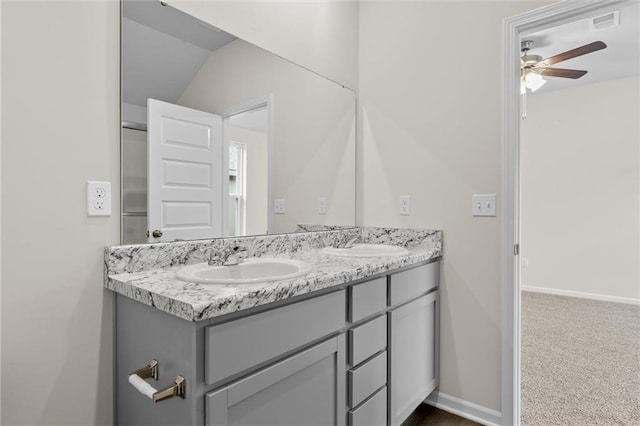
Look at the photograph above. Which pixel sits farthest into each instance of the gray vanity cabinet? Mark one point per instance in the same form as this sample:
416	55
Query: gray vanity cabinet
365	354
305	389
286	364
414	340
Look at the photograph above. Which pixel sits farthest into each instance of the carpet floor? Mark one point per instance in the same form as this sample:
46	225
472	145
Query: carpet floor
580	362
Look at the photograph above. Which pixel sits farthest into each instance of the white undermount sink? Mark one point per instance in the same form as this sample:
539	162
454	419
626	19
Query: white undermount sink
366	250
248	271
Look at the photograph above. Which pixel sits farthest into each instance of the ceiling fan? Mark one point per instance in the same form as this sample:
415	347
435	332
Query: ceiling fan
533	67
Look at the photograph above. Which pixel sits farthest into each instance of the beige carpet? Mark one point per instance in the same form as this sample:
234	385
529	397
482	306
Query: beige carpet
580	362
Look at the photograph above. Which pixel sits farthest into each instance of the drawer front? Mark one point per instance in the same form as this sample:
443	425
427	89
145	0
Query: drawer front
409	284
367	299
367	378
367	339
233	347
371	413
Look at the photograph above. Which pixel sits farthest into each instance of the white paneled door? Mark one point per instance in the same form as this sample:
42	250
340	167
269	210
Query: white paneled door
185	173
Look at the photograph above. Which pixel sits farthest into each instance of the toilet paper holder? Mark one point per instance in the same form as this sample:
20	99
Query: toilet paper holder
150	371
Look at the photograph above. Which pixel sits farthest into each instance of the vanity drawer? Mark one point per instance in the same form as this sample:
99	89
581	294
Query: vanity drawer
367	378
367	339
409	284
235	346
367	299
371	413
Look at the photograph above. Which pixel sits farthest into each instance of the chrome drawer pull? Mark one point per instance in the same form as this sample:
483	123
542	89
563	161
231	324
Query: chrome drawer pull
137	380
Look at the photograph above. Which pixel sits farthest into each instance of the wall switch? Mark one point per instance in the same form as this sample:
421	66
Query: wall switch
525	262
278	206
98	198
405	205
483	204
322	205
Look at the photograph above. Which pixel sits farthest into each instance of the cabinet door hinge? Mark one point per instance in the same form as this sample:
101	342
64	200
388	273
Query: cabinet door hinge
516	249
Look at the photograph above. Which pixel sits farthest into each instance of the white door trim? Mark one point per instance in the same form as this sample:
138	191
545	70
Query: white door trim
266	101
515	27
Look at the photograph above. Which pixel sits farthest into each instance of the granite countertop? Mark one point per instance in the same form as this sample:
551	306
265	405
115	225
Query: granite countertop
155	284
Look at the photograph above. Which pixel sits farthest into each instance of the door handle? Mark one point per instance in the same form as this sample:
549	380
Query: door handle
156	233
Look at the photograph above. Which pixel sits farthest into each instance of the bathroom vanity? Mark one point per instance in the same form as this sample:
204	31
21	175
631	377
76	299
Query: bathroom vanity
353	342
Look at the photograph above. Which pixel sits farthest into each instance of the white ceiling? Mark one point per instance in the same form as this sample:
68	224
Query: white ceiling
620	59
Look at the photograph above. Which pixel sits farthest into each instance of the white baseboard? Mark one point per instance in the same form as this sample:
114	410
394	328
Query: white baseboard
466	409
581	295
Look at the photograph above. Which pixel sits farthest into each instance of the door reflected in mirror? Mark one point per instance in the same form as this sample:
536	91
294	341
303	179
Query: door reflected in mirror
248	172
285	133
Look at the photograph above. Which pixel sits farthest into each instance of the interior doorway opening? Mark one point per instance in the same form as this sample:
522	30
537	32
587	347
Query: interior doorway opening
247	134
514	246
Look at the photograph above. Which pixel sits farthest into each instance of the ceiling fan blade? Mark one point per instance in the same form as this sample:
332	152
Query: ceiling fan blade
560	72
578	51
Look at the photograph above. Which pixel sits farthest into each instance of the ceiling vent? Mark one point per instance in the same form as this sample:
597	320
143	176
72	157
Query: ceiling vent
607	20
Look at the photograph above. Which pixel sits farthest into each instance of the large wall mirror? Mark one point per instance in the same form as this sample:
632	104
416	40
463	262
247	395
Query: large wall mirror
223	138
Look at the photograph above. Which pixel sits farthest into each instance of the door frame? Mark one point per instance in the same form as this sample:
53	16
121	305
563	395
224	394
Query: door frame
266	101
513	29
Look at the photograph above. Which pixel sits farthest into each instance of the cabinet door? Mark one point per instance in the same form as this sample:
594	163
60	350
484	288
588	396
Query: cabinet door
305	389
413	366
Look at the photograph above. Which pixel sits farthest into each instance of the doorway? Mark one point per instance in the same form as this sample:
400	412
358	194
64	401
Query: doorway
515	245
247	134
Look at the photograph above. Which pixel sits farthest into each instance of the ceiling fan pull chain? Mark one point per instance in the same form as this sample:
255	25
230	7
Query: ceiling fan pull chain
524	105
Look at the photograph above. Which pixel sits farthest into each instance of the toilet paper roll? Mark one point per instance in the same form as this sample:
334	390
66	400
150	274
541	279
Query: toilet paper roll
142	386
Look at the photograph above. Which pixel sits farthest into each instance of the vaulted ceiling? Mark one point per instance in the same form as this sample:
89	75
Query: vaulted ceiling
163	49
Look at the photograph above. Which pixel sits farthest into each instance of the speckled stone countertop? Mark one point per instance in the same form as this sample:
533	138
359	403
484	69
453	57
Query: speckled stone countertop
146	272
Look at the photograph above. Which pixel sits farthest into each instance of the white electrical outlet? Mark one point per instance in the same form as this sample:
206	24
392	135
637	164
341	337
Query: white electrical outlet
483	204
322	205
98	198
278	206
405	205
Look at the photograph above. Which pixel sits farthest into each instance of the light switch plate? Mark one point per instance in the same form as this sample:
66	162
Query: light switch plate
98	198
483	204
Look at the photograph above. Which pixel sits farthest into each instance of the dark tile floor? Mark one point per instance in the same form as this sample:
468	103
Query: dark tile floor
426	415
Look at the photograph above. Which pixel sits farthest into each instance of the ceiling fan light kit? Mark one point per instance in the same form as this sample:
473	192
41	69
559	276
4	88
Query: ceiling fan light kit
533	67
533	81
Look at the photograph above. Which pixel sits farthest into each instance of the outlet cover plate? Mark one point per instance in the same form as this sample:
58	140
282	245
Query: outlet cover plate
322	205
98	198
278	206
405	205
